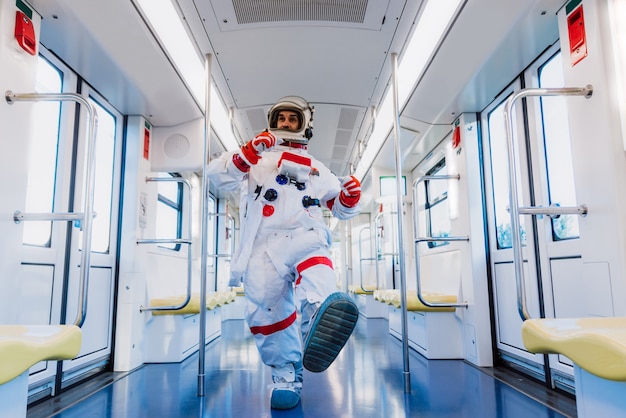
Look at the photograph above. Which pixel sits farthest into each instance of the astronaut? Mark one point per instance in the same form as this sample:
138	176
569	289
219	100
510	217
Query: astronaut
284	254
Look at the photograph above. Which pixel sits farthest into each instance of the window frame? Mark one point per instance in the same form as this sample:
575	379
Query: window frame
438	202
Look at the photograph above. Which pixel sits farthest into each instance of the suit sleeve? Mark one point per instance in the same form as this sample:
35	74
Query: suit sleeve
331	198
224	173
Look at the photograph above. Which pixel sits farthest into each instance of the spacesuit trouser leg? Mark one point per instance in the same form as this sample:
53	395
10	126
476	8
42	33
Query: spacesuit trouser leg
271	316
328	316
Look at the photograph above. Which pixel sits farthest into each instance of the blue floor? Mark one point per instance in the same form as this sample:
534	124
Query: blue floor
366	380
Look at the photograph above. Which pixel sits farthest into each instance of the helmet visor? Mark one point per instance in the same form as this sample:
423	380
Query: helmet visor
289	119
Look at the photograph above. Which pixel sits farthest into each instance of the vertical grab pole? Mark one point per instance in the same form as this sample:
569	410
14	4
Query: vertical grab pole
396	140
348	245
205	227
516	239
85	257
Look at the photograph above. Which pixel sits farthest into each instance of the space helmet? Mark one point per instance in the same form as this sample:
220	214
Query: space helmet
303	110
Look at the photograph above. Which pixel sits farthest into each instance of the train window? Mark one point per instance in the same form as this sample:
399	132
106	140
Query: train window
500	177
388	186
557	147
103	196
437	210
43	155
169	211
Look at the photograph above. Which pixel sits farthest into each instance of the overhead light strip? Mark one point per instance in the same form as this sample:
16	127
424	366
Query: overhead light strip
169	28
432	25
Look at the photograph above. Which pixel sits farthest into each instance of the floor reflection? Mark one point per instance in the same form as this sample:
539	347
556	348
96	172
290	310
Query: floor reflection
366	380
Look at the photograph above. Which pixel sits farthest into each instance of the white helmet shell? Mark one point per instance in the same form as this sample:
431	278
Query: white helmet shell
305	113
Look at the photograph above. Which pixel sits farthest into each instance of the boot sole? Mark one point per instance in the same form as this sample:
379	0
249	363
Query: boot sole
330	331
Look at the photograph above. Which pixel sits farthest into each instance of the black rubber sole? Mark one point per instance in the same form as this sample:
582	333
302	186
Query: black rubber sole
330	331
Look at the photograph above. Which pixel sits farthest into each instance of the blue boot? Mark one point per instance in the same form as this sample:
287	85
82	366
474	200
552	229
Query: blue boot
333	324
287	386
285	395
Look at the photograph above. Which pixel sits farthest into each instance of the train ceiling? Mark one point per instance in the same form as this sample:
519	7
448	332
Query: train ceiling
335	53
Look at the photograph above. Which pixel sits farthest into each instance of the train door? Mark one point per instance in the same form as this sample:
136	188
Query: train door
551	245
51	250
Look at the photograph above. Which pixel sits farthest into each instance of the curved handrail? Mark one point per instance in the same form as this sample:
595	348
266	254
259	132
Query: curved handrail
379	243
378	251
187	241
362	259
514	207
419	239
86	218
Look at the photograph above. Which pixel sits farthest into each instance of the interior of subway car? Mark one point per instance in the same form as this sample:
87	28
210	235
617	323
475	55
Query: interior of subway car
454	133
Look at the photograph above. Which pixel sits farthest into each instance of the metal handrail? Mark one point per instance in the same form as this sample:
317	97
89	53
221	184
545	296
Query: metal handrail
19	216
231	219
87	216
419	239
164	241
377	249
186	241
553	211
515	209
347	231
379	243
362	259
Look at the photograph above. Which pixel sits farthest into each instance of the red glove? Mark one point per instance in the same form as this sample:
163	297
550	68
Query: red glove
252	150
350	191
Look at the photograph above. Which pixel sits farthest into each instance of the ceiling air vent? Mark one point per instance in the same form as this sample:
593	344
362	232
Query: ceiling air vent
262	11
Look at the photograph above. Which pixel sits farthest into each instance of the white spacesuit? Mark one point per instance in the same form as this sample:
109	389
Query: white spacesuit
284	254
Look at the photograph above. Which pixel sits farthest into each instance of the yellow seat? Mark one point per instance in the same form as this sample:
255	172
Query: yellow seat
231	295
389	295
362	290
222	298
597	345
414	304
193	307
212	301
239	291
22	346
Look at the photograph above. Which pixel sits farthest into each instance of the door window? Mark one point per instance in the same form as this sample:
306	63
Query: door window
103	197
43	151
500	178
556	138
